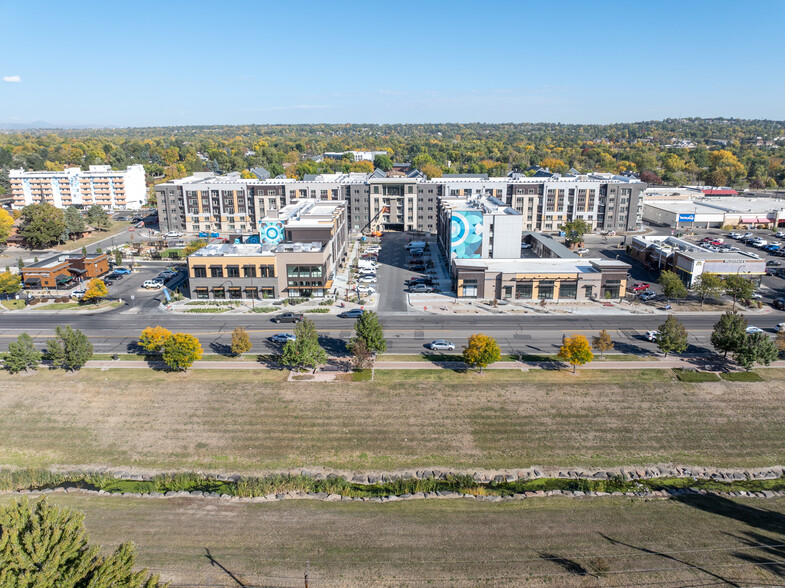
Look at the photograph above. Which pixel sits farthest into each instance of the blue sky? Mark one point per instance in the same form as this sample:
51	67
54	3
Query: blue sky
171	62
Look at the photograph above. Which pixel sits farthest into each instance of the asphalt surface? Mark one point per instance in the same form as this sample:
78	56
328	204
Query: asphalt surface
117	330
392	273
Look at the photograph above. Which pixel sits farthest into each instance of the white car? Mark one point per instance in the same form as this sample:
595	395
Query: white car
367	279
751	330
441	345
756	296
366	289
77	294
173	234
779	234
152	284
651	336
582	251
780	328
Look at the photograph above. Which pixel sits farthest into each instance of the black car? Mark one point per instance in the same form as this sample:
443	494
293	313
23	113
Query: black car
287	317
353	313
427	280
773	262
778	303
114	277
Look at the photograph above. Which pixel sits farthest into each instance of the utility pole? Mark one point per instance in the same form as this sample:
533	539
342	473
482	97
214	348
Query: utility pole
307	568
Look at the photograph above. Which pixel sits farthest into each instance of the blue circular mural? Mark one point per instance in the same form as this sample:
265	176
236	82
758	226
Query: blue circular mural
272	232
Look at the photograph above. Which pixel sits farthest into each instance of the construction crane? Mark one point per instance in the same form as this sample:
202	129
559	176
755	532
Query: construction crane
370	222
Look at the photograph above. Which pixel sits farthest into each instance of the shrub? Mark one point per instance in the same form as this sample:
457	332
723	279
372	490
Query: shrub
180	351
241	341
695	377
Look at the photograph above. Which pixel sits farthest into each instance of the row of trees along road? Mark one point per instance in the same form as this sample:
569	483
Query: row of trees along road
69	349
708	285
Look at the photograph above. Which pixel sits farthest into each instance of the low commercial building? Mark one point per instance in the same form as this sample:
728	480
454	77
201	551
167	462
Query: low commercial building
568	280
63	270
690	261
296	254
713	212
101	185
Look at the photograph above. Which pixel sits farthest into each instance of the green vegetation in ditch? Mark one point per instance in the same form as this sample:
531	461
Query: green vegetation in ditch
208	310
694	377
741	377
264	309
29	479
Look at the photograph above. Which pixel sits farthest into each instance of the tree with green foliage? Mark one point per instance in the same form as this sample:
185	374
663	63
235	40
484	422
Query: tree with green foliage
70	349
370	329
75	224
672	336
97	217
672	286
602	342
152	339
383	162
180	351
118	257
22	355
10	283
729	332
574	230
708	285
241	341
46	546
43	225
481	351
304	350
6	224
576	351
738	288
755	348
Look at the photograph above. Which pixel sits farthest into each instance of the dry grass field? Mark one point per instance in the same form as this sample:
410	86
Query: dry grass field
253	421
702	541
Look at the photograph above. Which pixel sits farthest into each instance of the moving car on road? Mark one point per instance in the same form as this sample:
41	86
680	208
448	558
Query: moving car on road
287	317
441	345
778	303
282	338
651	336
353	313
752	330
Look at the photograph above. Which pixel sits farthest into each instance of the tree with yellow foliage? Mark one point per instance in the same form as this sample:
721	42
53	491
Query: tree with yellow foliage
6	222
96	289
180	351
481	351
152	339
576	351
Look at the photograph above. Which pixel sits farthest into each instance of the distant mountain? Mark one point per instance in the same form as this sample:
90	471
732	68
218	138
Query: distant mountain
38	124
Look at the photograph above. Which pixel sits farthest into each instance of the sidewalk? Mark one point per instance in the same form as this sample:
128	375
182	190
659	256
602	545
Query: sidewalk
599	364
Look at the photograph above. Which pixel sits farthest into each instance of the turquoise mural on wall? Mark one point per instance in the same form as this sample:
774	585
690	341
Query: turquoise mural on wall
466	240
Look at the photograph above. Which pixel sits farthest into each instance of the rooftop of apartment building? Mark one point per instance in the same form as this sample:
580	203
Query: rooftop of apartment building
94	170
306	212
485	204
255	249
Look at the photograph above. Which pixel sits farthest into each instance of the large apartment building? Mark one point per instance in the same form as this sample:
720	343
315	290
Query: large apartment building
101	185
233	206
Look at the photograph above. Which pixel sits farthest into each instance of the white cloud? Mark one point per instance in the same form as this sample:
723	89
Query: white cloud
12	79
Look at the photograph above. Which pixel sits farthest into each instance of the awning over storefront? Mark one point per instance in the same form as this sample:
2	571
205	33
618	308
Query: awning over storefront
63	279
77	271
32	282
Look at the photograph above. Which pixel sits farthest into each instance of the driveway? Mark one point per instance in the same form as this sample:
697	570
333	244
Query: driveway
393	272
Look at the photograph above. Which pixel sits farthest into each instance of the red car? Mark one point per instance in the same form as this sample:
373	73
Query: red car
640	288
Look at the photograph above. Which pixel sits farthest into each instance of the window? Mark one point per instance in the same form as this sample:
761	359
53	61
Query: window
251	292
202	293
523	290
545	291
588	291
267	292
470	288
218	292
235	293
267	271
200	271
568	290
216	271
232	271
611	289
506	292
304	271
249	271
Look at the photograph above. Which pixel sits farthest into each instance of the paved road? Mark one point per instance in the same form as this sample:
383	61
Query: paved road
113	331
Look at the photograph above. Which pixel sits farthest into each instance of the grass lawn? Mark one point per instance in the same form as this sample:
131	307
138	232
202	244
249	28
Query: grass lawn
254	421
695	377
115	227
741	377
77	306
697	541
13	304
440	357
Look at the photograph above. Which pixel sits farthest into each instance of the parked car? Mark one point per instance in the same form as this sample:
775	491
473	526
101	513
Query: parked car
287	317
417	268
582	251
651	336
642	287
108	282
778	303
121	270
751	330
420	289
152	285
773	262
173	234
646	296
77	294
756	296
113	276
734	235
353	313
367	279
282	338
166	274
441	345
427	280
780	234
780	328
366	289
